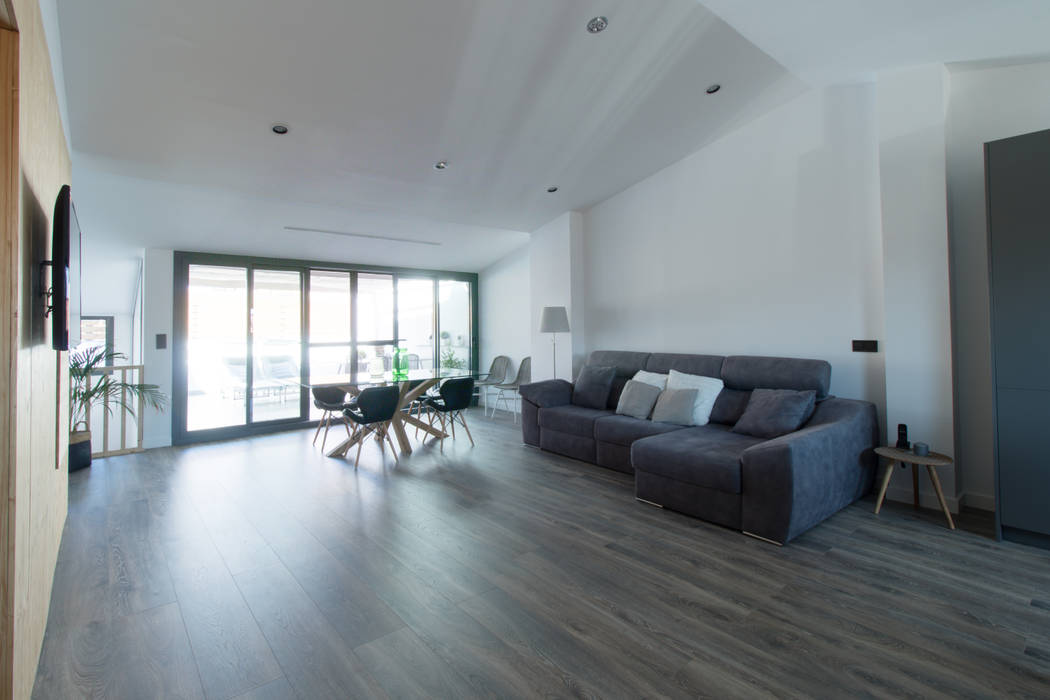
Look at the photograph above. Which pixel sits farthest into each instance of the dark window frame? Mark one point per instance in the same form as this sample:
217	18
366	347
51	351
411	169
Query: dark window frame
180	329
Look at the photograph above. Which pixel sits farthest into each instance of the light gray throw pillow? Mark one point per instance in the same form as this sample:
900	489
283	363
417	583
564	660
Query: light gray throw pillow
637	399
675	406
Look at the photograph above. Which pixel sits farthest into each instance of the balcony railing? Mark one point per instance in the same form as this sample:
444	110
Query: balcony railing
119	425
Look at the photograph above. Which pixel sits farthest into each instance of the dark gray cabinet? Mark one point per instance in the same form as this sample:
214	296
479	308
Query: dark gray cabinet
1017	180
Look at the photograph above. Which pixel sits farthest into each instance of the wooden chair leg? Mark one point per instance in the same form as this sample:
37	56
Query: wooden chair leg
463	420
443	431
327	423
360	444
319	423
452	424
393	450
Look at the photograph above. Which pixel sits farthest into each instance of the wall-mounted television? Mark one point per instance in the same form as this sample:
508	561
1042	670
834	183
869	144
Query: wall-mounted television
65	273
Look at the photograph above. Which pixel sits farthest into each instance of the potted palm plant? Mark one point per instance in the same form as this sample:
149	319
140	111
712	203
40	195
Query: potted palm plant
90	386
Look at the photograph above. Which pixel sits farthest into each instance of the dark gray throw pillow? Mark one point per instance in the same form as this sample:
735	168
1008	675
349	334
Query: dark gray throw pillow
774	412
593	386
637	399
675	406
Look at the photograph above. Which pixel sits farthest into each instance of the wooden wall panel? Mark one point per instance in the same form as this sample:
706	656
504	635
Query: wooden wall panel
37	485
9	207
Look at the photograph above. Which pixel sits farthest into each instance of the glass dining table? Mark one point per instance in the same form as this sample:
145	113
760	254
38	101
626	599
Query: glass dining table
413	383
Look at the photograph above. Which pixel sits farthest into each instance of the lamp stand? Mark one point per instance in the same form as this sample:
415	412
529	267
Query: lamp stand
553	352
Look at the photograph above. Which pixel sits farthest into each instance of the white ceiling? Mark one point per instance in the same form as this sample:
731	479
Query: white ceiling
516	95
840	41
136	213
170	108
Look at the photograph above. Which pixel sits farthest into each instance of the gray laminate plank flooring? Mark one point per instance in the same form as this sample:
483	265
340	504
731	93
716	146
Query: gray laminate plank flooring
259	568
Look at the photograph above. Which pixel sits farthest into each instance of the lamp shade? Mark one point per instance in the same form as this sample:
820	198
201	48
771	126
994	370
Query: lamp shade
554	320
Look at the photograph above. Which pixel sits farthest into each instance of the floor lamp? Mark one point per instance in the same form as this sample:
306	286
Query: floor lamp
554	320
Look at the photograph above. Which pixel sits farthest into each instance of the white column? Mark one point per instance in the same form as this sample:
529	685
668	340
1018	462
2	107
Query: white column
912	105
555	269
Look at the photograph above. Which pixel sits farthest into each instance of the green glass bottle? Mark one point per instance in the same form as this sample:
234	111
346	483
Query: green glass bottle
400	364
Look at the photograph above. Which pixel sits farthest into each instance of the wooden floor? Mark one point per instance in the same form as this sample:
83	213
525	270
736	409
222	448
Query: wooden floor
258	568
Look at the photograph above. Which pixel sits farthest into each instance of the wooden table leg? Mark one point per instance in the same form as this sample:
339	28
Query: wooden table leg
940	495
342	448
885	484
398	421
915	485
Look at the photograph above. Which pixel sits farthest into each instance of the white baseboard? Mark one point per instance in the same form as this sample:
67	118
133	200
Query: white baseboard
980	501
926	500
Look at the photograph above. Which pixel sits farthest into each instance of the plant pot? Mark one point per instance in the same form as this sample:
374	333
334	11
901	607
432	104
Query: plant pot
79	450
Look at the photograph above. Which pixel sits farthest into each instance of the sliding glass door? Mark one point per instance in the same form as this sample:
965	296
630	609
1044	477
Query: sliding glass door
253	334
276	337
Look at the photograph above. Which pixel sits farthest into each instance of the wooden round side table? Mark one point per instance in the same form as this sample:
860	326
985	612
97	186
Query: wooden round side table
930	461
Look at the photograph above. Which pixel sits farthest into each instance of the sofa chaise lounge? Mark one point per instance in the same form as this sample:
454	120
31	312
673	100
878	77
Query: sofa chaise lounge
773	489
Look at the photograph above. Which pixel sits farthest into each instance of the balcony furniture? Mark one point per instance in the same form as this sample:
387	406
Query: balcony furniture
508	392
331	400
773	489
904	457
455	397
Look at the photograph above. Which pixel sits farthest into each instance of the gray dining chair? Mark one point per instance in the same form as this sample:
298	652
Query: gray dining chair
497	374
508	392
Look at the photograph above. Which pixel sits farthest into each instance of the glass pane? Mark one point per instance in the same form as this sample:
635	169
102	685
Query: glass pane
326	364
415	321
276	344
375	307
329	307
454	310
216	347
375	361
92	333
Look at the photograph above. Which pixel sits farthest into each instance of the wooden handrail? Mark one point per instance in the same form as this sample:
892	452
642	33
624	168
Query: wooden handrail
125	371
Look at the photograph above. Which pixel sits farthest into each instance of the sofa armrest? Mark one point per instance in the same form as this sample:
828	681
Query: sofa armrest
795	481
552	392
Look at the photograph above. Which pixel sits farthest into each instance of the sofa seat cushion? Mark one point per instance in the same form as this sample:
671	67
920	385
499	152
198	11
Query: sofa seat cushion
707	456
624	430
574	420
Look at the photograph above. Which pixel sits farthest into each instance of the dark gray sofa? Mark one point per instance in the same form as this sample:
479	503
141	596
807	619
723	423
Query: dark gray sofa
772	489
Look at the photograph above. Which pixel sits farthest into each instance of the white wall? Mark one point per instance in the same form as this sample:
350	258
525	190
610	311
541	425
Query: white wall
912	108
986	104
556	279
503	288
766	242
157	315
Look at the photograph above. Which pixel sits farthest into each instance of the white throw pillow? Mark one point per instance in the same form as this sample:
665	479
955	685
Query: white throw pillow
707	390
651	378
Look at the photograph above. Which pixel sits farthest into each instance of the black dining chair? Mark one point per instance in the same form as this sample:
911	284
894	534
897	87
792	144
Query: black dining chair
371	414
454	396
331	400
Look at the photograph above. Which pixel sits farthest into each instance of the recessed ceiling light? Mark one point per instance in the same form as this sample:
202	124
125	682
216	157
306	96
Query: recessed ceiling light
280	129
713	89
552	189
441	165
597	24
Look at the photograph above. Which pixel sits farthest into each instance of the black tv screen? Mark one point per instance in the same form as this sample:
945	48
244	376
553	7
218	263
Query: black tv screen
65	273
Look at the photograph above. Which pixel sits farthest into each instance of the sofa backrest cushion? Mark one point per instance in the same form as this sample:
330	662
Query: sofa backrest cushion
626	364
746	372
705	365
592	387
729	406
